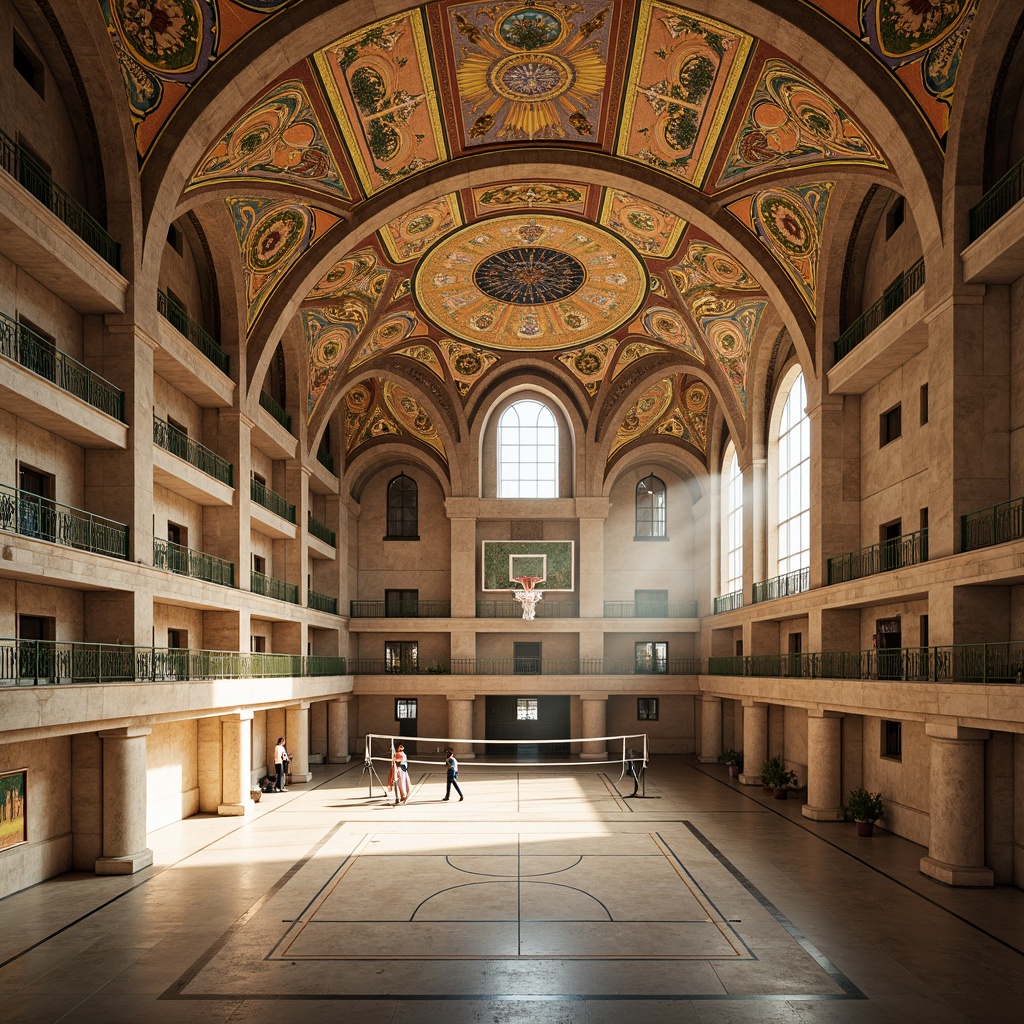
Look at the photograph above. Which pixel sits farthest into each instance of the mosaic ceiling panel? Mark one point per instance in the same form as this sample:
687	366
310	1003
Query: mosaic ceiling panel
377	408
409	236
651	229
536	195
673	407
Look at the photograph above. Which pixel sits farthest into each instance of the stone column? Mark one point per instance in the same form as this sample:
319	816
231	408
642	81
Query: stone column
710	728
755	742
755	524
595	723
297	740
463	559
824	766
956	847
592	514
124	803
236	763
338	751
460	726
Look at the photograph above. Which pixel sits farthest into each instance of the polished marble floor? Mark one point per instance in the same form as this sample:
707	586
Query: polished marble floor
549	896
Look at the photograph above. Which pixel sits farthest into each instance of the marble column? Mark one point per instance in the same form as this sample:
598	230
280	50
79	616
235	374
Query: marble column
460	726
124	803
595	723
236	763
755	742
824	766
338	750
956	846
710	728
297	741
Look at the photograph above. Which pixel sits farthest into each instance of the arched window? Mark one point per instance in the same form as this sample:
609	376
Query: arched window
650	507
403	507
527	451
794	445
732	499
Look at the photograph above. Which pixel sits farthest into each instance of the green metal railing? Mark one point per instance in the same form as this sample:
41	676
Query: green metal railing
20	165
992	525
959	663
31	515
172	440
263	495
324	457
907	549
400	609
998	200
524	666
650	609
321	602
320	531
267	586
42	357
895	295
188	328
196	564
268	402
786	585
728	602
543	609
48	662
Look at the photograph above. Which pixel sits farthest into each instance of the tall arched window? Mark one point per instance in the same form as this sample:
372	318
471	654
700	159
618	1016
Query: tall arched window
527	451
794	443
403	507
650	507
733	522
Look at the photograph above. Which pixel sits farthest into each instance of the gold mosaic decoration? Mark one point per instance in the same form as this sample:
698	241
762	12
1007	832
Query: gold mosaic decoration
376	408
589	364
409	236
466	363
531	196
652	230
675	406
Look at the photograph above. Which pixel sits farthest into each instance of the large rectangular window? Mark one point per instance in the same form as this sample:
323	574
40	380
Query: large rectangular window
527	709
647	709
651	656
401	656
406	708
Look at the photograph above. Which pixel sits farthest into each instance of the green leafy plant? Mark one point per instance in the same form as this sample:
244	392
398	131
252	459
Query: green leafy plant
731	757
864	806
775	774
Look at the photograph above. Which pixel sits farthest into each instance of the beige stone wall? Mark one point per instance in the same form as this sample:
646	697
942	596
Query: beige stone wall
904	783
172	785
30	445
888	258
25	297
675	731
174	616
171	507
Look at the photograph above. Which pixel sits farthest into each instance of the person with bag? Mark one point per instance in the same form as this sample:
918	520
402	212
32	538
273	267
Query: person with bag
453	774
280	764
399	775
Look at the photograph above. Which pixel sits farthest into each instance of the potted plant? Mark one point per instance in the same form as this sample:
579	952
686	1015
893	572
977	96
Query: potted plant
865	808
777	777
734	759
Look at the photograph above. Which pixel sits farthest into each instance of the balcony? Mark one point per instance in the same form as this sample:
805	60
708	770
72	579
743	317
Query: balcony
271	500
994	525
728	602
524	666
195	472
401	609
650	609
321	602
196	564
33	516
267	586
194	332
324	457
898	553
512	609
47	662
895	295
320	531
786	585
268	402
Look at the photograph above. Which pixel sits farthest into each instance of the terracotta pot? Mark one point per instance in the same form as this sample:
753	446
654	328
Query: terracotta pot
255	794
734	771
866	828
781	794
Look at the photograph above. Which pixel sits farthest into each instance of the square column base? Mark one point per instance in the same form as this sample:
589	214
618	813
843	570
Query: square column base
750	780
339	759
229	810
708	758
822	813
955	874
124	865
601	755
295	778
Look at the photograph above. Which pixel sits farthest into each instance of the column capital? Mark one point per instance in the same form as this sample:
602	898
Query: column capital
245	715
129	732
951	730
824	713
460	696
594	696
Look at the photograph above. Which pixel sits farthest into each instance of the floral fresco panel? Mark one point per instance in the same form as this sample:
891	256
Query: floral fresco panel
409	236
533	195
652	230
675	406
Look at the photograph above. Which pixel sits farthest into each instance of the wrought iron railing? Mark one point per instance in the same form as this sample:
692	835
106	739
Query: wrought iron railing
263	495
268	402
522	666
400	609
196	564
324	457
267	586
178	443
42	357
992	525
189	328
895	295
321	602
20	165
786	585
34	516
998	200
728	602
543	609
48	662
320	531
650	609
907	549
960	663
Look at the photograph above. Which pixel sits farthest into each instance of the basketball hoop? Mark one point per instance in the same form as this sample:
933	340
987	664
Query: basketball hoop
528	597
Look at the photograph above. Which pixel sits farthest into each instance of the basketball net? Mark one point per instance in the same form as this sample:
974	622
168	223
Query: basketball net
528	597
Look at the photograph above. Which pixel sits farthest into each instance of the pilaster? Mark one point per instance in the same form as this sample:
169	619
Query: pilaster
124	802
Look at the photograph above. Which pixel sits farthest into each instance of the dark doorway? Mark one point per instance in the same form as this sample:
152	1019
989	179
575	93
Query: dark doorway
526	658
891	540
889	641
527	719
407	714
35	504
35	647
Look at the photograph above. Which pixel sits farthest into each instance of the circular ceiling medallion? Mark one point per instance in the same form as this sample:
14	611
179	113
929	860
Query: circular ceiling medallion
532	76
530	281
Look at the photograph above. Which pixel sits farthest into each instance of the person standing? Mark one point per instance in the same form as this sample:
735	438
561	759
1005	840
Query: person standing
280	764
400	769
453	774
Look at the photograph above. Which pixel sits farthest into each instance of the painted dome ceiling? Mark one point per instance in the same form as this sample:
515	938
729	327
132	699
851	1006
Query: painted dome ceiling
632	195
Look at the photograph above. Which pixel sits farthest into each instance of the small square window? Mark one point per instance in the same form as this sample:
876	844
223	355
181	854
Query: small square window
890	426
405	708
527	709
895	216
28	65
647	709
892	740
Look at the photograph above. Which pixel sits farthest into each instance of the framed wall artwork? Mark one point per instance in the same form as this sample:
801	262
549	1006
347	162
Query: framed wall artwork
13	824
